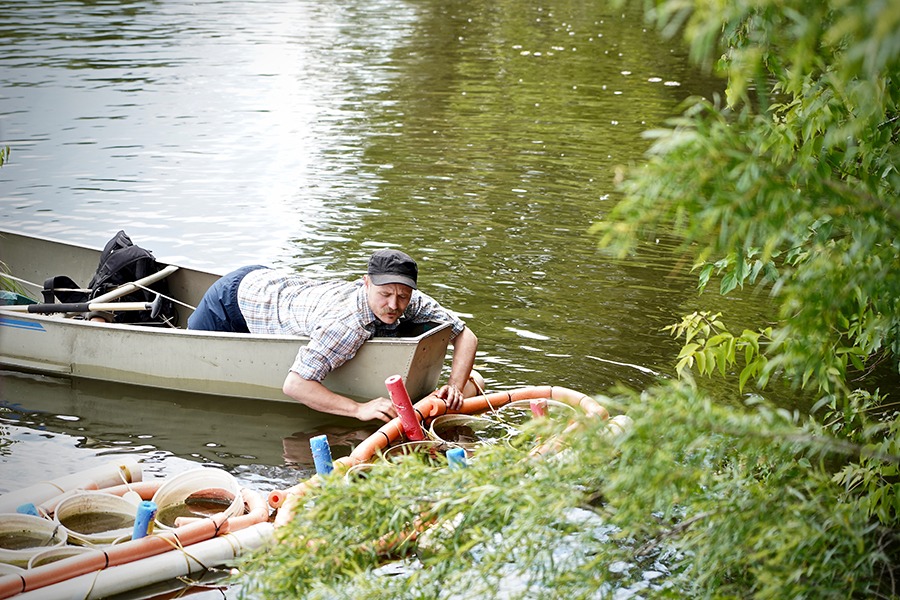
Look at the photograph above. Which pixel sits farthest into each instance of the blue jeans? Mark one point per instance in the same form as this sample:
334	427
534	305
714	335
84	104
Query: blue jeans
219	310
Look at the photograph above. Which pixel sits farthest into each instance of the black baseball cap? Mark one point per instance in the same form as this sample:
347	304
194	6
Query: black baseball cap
392	266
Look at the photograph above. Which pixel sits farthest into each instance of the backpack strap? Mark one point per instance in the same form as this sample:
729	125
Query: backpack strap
63	288
47	292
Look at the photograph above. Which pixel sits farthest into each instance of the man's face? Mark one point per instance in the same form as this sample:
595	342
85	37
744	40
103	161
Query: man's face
388	301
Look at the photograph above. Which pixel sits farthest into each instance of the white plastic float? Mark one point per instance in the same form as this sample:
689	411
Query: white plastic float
129	564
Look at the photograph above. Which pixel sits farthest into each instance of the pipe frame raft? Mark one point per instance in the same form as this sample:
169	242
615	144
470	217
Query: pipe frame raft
158	568
430	407
177	540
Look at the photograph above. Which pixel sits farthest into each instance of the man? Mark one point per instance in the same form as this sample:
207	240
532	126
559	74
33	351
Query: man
337	316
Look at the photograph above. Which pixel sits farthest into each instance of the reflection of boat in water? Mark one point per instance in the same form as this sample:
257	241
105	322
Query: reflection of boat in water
226	431
217	363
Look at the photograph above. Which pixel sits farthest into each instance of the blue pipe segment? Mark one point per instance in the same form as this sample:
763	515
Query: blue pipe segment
143	520
28	509
456	458
321	452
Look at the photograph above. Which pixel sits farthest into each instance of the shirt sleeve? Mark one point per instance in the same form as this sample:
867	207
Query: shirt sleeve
330	345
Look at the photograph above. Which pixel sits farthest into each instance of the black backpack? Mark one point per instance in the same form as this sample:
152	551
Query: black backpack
121	262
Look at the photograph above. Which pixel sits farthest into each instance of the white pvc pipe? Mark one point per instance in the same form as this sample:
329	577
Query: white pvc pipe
127	288
117	472
155	569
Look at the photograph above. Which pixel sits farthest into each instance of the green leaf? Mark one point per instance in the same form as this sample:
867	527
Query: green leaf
688	349
704	276
729	282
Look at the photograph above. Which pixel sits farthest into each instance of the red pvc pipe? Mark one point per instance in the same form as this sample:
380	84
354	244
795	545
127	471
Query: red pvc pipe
408	420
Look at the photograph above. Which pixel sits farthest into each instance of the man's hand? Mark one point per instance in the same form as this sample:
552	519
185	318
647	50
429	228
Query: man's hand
316	396
379	408
453	396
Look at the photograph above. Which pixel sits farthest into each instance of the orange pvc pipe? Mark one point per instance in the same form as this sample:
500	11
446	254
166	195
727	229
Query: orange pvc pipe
111	556
430	406
427	408
386	434
492	401
552	445
345	462
145	489
277	497
590	406
257	511
527	393
388	543
286	512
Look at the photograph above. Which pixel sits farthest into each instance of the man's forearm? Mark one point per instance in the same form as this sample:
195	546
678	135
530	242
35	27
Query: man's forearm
316	396
464	347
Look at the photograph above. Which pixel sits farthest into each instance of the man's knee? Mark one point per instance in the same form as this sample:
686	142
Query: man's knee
210	314
204	319
218	310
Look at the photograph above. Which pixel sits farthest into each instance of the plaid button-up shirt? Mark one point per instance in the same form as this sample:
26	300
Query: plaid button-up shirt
334	314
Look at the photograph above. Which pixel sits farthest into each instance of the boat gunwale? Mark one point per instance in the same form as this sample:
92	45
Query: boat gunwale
254	337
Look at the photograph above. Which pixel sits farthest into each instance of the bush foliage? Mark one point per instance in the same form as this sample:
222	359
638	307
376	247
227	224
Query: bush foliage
698	500
789	182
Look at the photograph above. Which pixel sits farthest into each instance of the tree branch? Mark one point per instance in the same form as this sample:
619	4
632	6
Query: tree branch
674	531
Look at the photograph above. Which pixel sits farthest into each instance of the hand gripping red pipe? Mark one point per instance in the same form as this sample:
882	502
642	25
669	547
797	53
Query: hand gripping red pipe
412	429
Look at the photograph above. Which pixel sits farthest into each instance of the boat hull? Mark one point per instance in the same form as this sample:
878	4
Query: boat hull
222	364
